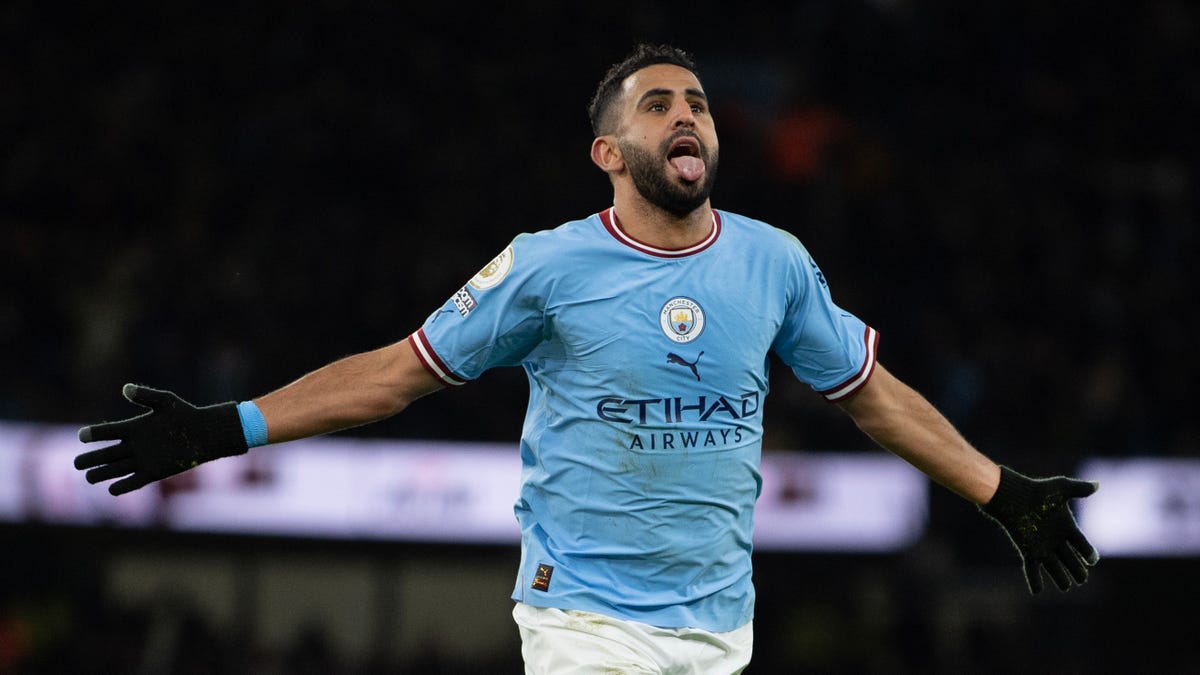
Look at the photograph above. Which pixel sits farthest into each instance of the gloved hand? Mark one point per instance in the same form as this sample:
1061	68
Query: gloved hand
173	437
1033	512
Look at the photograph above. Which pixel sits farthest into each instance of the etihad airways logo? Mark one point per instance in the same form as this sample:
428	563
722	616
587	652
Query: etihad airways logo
648	419
676	409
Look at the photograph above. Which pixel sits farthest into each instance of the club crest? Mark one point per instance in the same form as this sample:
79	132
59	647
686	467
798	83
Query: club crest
681	319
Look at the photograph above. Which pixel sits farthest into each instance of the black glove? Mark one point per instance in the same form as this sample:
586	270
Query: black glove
173	437
1034	514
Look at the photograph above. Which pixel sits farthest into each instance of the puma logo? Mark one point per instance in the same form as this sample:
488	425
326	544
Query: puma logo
675	358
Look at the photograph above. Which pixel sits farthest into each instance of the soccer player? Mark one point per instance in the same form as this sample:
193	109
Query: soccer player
644	330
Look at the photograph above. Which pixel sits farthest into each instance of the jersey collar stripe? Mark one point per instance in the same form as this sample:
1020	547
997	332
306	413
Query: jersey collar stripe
429	359
851	386
613	225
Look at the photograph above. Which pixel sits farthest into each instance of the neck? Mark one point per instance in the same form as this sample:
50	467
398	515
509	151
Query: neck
652	225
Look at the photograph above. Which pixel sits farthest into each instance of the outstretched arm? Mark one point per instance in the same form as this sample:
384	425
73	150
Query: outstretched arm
174	435
902	421
1033	512
349	392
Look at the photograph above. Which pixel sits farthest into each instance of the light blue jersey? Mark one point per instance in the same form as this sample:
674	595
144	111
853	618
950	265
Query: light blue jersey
648	374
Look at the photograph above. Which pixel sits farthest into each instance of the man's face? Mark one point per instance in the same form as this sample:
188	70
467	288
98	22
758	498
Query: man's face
667	138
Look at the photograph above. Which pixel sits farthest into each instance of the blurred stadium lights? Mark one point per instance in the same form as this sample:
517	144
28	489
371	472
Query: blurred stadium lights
456	492
438	491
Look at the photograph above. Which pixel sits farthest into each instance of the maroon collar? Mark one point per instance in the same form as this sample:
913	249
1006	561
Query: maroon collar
613	225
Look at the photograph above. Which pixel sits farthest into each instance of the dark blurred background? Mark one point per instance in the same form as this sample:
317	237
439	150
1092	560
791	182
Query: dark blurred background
217	199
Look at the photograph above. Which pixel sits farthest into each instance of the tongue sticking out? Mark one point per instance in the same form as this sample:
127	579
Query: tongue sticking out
690	168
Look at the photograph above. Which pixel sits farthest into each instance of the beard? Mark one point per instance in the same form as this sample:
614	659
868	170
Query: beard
649	173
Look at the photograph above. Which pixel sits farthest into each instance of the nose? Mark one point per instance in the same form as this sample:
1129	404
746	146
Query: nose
685	118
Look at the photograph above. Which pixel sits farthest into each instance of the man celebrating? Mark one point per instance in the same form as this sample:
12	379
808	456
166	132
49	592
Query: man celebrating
645	331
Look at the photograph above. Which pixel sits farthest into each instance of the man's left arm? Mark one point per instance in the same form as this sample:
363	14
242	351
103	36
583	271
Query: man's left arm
904	422
1033	512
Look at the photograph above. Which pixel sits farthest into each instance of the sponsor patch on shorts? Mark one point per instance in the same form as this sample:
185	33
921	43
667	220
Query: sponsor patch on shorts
541	581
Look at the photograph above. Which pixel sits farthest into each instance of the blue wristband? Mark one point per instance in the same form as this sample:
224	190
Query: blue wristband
254	425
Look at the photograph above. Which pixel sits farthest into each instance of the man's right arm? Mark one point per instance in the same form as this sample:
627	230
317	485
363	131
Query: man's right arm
175	436
349	392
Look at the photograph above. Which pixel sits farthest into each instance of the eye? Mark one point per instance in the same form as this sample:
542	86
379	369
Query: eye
657	107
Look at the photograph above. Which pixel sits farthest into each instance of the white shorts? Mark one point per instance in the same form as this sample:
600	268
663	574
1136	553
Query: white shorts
558	642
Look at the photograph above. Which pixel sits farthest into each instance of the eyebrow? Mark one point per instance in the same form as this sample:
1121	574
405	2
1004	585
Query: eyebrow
663	91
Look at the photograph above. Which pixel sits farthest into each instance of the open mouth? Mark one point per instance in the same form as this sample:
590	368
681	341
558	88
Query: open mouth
684	146
684	155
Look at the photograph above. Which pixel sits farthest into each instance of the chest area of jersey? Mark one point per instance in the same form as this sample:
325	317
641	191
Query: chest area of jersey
674	320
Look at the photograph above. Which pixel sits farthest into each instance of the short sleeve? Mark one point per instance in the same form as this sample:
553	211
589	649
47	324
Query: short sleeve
826	347
495	319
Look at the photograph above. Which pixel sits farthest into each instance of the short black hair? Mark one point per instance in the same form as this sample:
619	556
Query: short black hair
607	91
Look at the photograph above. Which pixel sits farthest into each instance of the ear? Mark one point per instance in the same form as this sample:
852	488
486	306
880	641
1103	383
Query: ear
606	154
